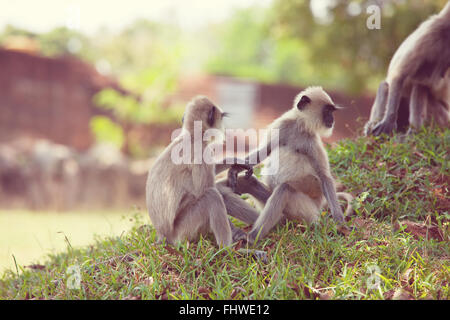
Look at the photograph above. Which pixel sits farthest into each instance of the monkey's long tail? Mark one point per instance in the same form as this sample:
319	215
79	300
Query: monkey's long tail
349	198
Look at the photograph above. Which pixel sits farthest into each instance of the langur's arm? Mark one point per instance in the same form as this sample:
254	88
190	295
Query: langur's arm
232	162
252	159
328	189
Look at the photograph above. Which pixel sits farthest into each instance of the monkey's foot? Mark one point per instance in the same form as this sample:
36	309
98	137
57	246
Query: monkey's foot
251	237
238	234
368	127
344	230
385	126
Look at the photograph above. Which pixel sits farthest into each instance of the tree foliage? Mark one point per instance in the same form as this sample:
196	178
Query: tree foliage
296	43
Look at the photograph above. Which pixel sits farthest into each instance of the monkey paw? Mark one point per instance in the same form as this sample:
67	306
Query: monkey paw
251	237
385	126
345	230
233	175
368	127
238	234
249	169
232	179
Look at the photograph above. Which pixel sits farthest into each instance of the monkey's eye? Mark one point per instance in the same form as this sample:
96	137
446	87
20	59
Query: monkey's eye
225	114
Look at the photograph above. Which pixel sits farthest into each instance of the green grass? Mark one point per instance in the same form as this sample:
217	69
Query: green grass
29	235
402	219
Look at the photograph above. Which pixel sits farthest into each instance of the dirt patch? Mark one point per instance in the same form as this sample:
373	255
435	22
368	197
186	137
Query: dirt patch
421	231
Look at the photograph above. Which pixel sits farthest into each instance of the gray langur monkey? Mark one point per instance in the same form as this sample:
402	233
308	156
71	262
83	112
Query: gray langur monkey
303	183
183	200
417	76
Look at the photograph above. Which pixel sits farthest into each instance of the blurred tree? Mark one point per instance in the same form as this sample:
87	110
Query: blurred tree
243	46
150	108
146	57
61	41
324	42
247	47
18	39
140	46
150	71
346	54
106	131
10	30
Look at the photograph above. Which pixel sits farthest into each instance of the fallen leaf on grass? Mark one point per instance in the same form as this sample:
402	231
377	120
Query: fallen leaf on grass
344	230
401	294
162	296
326	295
294	286
149	281
204	292
388	295
35	267
406	278
239	245
310	293
270	247
235	291
173	251
131	297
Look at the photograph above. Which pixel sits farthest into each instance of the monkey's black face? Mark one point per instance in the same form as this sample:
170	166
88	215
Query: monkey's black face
327	115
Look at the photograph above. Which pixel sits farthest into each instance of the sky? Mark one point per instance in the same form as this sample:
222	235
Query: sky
89	15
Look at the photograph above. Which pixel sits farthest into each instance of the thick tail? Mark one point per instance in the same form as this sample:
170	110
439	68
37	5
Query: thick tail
347	197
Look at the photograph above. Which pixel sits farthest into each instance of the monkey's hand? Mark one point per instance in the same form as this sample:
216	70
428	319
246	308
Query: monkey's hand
238	234
337	215
386	126
233	174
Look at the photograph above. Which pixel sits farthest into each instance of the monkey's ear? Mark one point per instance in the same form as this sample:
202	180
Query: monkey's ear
303	102
212	116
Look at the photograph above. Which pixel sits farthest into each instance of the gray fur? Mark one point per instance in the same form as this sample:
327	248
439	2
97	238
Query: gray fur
182	199
420	64
236	207
303	183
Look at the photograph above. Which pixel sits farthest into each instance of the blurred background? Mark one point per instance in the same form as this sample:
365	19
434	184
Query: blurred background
90	92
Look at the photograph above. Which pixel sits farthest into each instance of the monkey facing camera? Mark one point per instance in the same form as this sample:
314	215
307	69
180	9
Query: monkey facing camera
303	183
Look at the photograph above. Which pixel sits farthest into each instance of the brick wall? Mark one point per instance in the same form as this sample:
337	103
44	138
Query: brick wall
48	98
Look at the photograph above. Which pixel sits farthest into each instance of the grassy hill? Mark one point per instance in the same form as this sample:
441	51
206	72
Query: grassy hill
400	248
